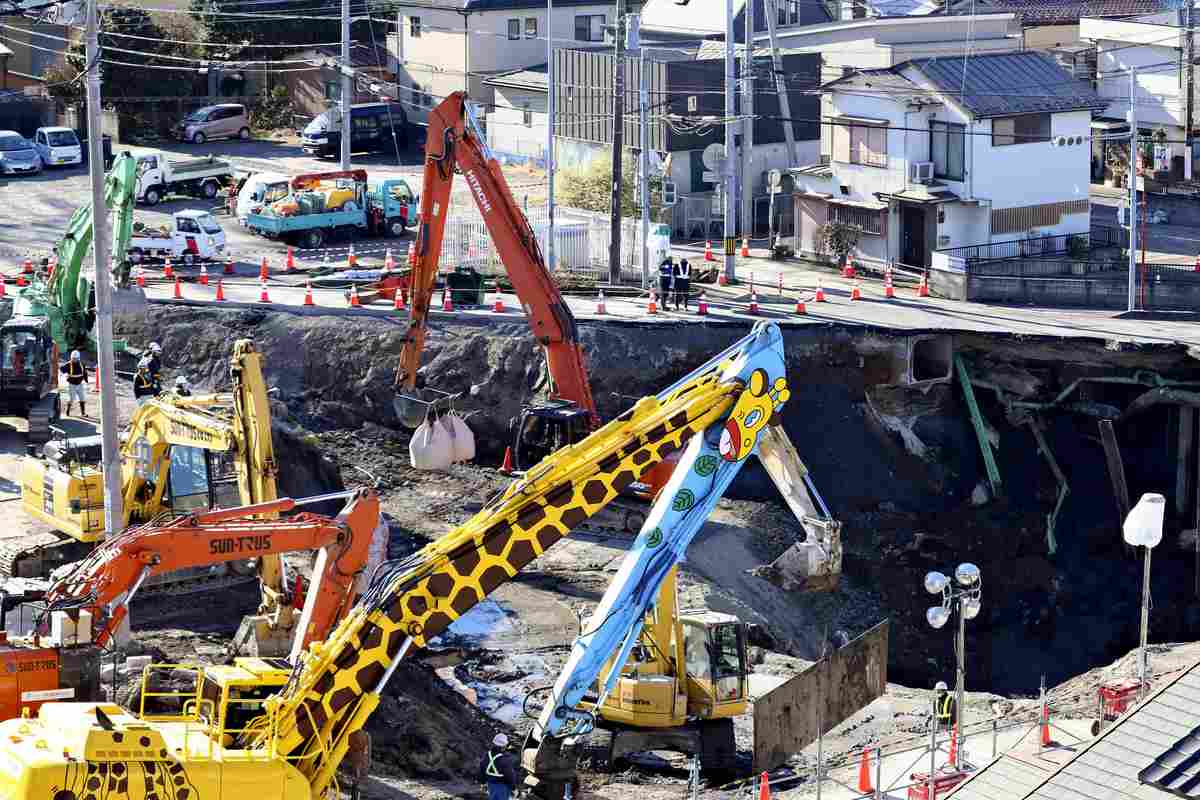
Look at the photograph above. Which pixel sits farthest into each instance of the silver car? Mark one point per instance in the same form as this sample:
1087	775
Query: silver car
213	122
18	156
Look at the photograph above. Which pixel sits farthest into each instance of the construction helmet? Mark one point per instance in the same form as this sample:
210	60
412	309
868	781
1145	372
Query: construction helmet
500	741
144	363
155	347
75	355
181	381
941	687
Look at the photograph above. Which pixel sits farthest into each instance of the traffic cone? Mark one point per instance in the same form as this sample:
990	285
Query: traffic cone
388	262
398	302
702	305
290	264
1046	741
800	307
652	306
168	270
889	291
498	303
779	283
264	271
820	295
263	297
856	292
3	288
848	270
178	294
764	787
1197	264
28	269
447	300
20	279
708	253
753	302
923	287
745	247
601	308
203	275
952	759
229	265
354	301
220	291
864	774
351	259
308	297
506	468
141	277
722	278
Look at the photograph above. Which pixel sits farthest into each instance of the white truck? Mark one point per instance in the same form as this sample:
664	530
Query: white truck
194	236
159	177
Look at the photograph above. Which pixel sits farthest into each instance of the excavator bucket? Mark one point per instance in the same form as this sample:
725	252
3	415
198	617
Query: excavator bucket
409	410
815	564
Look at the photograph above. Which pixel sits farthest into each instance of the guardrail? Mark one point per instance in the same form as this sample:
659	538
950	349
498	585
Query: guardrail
1098	237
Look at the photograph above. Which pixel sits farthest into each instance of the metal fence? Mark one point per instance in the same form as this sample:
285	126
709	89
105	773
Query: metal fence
1079	244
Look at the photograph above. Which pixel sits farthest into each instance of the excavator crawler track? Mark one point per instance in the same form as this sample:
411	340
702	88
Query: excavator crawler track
41	414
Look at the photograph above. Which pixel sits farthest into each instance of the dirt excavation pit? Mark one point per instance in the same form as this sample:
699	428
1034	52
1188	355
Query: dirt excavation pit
882	422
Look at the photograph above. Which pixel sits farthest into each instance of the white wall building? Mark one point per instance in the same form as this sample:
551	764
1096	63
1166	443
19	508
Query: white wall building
942	153
516	125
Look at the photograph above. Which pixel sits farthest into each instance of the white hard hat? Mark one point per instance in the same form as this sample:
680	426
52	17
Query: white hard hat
155	348
144	363
500	741
181	380
75	355
941	687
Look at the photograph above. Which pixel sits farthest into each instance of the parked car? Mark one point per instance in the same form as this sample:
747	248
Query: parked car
18	156
213	122
58	146
158	177
372	126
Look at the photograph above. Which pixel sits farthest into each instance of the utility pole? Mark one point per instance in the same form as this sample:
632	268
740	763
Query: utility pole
1133	178
730	143
635	37
747	150
785	103
1189	76
550	134
110	456
347	85
618	143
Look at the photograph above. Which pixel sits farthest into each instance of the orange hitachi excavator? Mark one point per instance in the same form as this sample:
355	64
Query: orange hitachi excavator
58	658
455	141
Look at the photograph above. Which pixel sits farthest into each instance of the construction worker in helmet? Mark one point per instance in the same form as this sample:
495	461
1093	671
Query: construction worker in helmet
182	387
144	385
77	376
944	706
156	363
498	770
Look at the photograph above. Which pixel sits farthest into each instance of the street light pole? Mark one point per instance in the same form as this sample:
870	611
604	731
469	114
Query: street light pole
550	135
965	598
347	87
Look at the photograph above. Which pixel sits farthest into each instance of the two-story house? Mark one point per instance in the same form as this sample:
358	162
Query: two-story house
450	45
948	152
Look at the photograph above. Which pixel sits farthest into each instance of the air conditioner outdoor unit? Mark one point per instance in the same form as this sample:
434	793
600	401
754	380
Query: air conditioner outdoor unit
921	171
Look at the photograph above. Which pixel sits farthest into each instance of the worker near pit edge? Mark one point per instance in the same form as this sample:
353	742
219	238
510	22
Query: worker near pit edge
182	387
144	385
156	362
77	376
666	277
944	706
498	770
683	282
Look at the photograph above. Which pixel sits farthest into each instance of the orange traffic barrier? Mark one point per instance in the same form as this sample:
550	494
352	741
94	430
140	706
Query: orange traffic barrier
856	292
168	270
506	468
178	293
447	300
864	774
652	306
220	290
264	271
290	264
263	297
702	305
308	297
601	308
708	253
745	247
498	303
203	275
923	286
229	265
354	301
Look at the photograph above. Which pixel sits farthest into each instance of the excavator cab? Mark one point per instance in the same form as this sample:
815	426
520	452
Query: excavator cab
28	367
545	428
714	647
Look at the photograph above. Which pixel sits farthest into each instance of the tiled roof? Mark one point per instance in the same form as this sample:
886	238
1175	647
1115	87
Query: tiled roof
535	77
1067	12
1007	83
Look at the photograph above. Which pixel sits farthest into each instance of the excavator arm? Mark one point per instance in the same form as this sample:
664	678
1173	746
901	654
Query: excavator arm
115	570
454	140
411	601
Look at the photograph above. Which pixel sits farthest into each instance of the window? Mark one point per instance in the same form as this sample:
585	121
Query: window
527	115
782	13
1024	129
531	27
333	90
367	123
865	219
947	144
414	27
860	143
589	28
514	29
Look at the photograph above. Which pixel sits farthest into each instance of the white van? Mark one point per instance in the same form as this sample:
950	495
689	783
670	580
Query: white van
260	189
58	146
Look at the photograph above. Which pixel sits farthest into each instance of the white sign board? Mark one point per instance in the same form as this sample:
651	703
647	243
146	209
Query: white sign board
47	694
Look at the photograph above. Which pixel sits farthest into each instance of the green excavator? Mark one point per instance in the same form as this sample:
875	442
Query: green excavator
56	311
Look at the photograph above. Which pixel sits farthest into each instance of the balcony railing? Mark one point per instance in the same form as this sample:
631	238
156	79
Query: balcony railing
1076	245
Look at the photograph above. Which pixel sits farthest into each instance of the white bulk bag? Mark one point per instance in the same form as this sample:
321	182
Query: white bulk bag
431	446
464	439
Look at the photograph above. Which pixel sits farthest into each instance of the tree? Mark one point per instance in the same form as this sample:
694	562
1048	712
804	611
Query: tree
590	188
286	28
840	238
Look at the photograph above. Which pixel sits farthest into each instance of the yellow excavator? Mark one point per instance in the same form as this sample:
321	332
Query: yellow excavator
293	748
179	454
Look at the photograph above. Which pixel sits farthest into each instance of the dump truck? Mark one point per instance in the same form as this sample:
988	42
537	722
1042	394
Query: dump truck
192	237
159	177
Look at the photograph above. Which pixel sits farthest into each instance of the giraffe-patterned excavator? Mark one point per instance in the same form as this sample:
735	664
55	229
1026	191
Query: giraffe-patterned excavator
80	751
